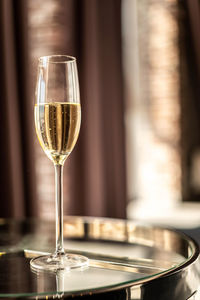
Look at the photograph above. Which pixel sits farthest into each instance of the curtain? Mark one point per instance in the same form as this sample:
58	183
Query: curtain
16	161
194	21
97	168
95	171
189	27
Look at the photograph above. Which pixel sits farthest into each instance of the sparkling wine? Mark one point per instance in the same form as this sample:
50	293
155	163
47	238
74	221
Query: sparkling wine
57	128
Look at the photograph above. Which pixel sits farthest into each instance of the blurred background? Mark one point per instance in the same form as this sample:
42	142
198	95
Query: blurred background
138	153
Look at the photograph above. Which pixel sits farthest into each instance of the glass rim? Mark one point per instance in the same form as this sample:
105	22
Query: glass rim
65	59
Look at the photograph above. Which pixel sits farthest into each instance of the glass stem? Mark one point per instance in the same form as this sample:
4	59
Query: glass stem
59	209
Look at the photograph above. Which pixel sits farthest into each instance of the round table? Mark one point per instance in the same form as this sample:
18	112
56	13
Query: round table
128	260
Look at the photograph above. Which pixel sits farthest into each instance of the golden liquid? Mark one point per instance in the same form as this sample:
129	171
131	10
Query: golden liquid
57	127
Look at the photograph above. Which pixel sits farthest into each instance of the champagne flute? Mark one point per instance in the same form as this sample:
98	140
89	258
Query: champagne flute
57	121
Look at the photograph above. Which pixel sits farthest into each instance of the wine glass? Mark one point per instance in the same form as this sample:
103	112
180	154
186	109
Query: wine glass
57	121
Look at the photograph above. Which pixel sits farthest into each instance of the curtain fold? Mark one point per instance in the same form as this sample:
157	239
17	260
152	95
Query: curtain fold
98	184
25	105
189	27
194	20
13	182
12	193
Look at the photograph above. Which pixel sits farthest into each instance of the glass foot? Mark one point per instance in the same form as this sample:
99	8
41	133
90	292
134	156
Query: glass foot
60	262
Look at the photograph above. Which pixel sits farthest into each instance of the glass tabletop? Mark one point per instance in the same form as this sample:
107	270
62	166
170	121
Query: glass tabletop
121	254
